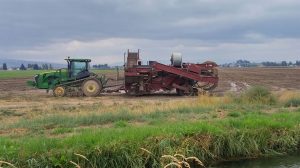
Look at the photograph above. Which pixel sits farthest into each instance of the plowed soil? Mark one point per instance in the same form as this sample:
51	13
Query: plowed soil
276	79
231	79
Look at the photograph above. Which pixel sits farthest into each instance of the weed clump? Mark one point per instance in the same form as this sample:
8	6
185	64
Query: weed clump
234	114
257	95
293	102
120	124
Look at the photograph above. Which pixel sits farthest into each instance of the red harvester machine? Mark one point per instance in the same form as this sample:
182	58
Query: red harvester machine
186	78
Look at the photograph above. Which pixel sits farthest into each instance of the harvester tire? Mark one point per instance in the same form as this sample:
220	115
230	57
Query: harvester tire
59	91
192	92
210	86
180	92
91	88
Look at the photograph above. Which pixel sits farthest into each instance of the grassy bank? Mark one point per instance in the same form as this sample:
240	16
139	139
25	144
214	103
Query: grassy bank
213	129
248	136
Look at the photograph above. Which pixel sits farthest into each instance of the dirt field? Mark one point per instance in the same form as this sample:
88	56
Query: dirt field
15	93
276	79
231	79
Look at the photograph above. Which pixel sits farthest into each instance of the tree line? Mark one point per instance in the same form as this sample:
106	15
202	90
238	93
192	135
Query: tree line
246	63
283	63
238	63
30	66
101	66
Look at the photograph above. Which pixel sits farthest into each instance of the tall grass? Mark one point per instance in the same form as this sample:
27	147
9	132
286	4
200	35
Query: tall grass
290	98
293	102
187	127
243	137
211	101
256	95
123	114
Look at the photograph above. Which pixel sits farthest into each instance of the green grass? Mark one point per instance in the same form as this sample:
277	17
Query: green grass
250	135
234	114
20	74
120	124
31	73
252	125
106	71
62	130
123	114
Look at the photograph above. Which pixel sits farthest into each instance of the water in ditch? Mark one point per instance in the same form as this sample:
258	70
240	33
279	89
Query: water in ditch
274	162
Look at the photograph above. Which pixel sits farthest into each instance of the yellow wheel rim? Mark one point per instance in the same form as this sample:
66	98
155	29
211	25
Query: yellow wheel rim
59	91
91	88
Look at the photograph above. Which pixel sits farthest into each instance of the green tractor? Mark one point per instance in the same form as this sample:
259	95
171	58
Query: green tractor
75	79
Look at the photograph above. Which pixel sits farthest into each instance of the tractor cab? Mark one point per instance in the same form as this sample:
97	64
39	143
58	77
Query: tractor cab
78	68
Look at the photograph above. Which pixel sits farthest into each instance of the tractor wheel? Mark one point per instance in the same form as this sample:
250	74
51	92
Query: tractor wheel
59	91
91	88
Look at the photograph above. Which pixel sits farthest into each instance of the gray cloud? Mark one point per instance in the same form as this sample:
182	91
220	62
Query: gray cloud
35	29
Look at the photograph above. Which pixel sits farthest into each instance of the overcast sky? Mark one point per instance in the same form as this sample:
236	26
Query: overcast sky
219	30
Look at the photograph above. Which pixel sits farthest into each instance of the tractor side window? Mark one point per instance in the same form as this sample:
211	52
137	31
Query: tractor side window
78	67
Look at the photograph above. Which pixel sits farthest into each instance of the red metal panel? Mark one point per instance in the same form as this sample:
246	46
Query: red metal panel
131	74
184	73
